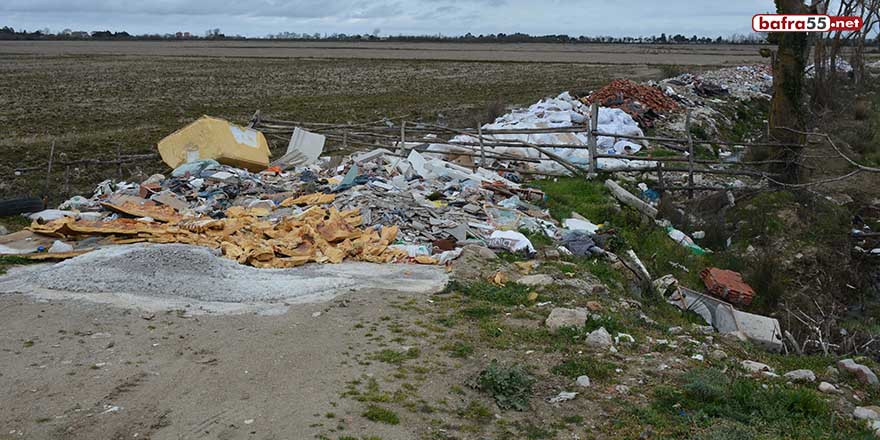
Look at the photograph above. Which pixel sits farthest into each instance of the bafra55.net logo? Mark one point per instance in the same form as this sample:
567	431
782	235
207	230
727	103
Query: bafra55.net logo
804	23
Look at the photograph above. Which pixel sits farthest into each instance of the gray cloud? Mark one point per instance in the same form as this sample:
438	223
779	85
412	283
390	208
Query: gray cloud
448	17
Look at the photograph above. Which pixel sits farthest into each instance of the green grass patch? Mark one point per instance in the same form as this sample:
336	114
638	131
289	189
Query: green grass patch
707	398
12	260
395	357
506	337
376	413
459	349
538	239
475	411
479	312
512	294
588	198
597	370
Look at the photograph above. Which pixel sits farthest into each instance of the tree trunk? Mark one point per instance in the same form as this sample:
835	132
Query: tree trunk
787	105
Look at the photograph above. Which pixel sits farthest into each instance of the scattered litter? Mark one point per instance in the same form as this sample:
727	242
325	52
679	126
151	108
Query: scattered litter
510	241
683	239
60	247
563	396
580	243
304	149
761	330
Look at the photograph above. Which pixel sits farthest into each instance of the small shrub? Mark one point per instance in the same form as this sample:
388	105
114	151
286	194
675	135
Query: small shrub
511	387
494	110
861	110
706	385
729	431
610	323
376	413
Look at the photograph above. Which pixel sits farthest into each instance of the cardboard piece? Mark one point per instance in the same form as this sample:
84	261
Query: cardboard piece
213	138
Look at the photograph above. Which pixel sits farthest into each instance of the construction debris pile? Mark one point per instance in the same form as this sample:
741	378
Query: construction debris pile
374	207
644	103
741	82
412	202
564	111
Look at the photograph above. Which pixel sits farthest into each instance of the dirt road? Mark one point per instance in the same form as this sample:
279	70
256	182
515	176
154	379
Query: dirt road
76	370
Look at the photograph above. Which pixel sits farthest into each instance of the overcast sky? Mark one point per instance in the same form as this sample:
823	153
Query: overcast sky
448	17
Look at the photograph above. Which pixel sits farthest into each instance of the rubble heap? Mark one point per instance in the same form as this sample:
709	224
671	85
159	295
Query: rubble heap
741	82
562	111
644	103
373	207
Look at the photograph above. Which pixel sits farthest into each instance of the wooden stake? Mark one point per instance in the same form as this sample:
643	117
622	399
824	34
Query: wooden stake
690	139
592	142
66	180
119	160
49	169
403	136
660	183
482	146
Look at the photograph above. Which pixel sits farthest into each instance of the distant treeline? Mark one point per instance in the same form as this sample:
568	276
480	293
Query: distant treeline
8	33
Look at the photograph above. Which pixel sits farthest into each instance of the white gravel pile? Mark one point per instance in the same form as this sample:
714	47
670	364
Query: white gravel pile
184	271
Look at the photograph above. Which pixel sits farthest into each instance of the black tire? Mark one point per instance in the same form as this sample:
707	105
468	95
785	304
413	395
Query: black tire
20	206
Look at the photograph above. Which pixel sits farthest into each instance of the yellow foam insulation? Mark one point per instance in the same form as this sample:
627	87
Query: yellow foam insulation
316	235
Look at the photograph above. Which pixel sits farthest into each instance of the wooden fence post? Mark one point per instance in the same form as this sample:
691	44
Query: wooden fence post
49	169
482	145
403	136
66	181
690	139
592	142
661	186
119	160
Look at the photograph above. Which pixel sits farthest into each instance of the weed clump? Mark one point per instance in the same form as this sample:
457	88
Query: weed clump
376	413
396	357
594	368
511	294
511	387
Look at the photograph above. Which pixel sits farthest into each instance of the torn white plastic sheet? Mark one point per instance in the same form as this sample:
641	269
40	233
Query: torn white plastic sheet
762	330
510	241
562	111
574	224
